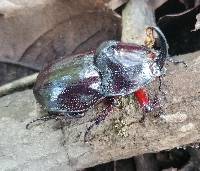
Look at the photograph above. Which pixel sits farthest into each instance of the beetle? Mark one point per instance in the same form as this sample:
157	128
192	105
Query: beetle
69	87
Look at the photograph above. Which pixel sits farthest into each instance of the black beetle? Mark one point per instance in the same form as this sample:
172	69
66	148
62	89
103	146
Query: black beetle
70	86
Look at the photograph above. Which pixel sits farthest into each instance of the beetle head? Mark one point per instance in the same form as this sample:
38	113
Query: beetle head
106	48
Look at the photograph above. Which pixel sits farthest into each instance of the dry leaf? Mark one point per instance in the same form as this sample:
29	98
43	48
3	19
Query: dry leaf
178	28
180	18
156	3
24	22
80	33
114	4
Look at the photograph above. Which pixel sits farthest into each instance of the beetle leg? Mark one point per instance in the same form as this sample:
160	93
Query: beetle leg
161	84
104	113
147	105
176	62
143	99
99	119
45	118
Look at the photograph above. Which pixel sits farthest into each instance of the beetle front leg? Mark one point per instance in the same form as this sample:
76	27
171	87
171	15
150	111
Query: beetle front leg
143	99
45	118
146	104
176	62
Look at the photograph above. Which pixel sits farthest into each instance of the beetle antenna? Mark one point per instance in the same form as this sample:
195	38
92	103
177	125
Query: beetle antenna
163	47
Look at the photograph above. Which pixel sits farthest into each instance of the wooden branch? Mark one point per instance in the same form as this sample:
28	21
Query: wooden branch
18	84
137	15
120	136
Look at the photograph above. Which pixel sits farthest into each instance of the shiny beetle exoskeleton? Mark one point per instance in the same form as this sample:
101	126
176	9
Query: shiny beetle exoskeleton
70	86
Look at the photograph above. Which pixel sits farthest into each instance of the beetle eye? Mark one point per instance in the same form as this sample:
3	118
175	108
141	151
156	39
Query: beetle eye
113	46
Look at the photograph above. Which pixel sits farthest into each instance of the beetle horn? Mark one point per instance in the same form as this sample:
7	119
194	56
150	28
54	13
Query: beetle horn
163	45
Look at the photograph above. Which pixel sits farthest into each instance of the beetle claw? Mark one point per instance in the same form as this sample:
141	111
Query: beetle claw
148	108
176	62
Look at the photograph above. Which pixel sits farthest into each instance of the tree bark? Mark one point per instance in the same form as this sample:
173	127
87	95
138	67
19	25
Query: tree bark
64	148
137	15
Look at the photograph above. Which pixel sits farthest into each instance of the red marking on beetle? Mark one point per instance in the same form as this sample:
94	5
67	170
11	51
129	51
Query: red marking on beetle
142	97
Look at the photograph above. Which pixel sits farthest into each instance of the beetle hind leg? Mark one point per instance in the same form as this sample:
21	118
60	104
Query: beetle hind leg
44	119
97	121
104	113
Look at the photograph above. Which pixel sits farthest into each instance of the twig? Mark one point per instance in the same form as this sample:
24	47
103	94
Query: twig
137	15
18	84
